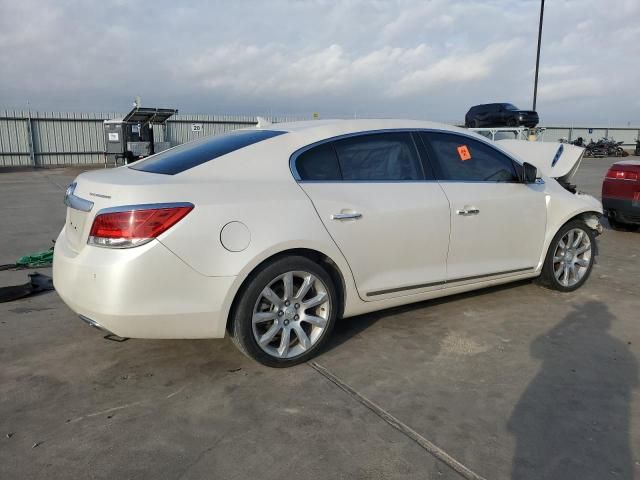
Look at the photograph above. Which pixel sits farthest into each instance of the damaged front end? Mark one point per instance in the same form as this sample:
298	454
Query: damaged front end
555	160
559	161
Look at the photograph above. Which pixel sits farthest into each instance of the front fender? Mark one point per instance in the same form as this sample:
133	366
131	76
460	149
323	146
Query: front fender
562	207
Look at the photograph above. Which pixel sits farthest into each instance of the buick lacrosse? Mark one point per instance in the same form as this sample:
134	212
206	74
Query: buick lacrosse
272	234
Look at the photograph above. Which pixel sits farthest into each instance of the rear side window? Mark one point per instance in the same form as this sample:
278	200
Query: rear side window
319	164
379	156
192	154
465	159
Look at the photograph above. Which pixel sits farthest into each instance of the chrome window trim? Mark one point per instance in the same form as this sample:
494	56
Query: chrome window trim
294	156
144	206
368	181
71	200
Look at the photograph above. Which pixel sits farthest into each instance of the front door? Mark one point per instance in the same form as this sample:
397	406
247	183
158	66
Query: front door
497	222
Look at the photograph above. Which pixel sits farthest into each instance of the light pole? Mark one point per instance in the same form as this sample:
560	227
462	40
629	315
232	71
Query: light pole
535	85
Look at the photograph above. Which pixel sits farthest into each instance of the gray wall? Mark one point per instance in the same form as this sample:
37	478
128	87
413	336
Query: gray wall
628	135
48	139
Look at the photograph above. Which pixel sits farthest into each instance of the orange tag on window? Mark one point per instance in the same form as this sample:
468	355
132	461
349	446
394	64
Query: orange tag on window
464	153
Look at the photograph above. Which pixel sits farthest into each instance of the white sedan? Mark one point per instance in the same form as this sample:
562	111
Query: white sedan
272	234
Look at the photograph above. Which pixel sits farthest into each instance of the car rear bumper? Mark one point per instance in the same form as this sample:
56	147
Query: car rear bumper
141	292
625	210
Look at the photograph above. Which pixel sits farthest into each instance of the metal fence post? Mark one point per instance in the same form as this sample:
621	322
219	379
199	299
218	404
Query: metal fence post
32	154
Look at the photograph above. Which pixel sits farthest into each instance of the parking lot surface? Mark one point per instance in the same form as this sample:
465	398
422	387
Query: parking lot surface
513	382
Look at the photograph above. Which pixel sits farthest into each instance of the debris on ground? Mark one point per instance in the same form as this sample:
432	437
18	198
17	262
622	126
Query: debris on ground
37	283
33	260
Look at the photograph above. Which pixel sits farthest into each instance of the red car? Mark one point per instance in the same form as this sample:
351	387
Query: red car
621	193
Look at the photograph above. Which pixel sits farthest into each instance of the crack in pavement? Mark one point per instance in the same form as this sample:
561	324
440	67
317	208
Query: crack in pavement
403	428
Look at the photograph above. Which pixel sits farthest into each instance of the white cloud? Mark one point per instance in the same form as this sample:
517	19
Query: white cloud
570	89
413	58
556	70
453	68
286	70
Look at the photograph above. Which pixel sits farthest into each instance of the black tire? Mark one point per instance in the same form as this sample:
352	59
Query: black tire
615	224
512	122
476	123
548	278
621	226
241	325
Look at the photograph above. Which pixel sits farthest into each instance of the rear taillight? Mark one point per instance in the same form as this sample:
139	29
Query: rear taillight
616	174
134	226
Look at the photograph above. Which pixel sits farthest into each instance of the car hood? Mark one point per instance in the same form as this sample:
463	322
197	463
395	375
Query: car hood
557	160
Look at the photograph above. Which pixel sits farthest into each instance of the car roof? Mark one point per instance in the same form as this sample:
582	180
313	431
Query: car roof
301	135
491	104
336	127
305	133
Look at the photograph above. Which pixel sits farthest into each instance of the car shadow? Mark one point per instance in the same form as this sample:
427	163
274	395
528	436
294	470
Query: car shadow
573	419
347	328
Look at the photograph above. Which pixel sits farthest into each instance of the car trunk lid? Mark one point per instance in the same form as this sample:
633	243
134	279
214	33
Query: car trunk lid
99	189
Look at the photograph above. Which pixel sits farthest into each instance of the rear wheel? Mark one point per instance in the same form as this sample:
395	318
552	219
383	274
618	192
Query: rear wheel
570	257
286	312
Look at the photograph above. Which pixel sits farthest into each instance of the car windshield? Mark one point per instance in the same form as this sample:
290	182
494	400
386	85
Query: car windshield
510	106
192	154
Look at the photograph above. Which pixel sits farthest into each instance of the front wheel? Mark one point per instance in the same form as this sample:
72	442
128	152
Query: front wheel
285	313
570	258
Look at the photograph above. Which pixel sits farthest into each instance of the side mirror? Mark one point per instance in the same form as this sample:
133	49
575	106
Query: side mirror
529	173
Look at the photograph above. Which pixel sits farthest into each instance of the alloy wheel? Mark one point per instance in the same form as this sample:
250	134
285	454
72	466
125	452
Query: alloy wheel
291	314
572	257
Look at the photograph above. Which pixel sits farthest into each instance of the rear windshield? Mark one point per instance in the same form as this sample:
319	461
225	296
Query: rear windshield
192	154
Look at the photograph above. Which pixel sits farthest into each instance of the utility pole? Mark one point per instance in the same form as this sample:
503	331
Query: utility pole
535	85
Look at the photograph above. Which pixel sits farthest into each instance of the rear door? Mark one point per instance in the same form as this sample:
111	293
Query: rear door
389	218
497	222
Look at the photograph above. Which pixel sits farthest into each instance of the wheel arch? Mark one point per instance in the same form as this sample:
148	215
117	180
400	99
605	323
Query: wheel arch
590	217
330	266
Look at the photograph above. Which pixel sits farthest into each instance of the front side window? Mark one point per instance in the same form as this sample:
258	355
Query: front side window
462	158
378	157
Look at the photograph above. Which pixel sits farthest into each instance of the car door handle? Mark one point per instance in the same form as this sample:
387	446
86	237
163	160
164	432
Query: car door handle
346	216
465	212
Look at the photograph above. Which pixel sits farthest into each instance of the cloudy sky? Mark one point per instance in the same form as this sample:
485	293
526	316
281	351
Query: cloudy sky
408	58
